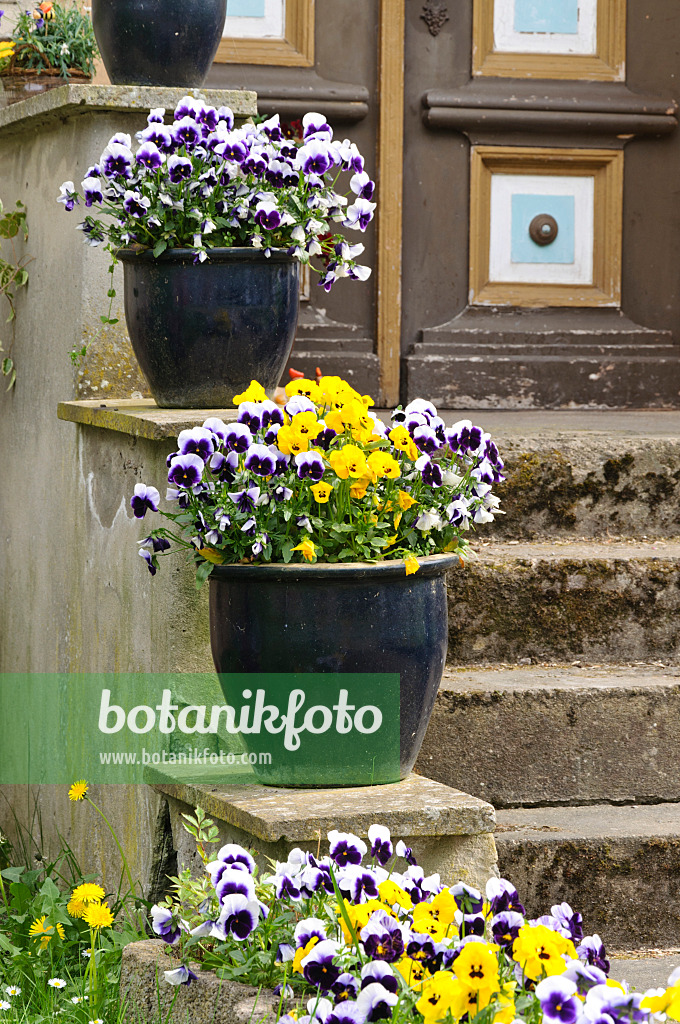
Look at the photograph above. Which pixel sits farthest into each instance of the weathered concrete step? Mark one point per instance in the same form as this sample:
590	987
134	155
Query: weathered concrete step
561	601
619	866
588	484
557	735
646	968
493	380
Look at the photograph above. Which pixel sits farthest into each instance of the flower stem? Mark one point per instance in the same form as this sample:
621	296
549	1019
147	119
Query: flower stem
124	858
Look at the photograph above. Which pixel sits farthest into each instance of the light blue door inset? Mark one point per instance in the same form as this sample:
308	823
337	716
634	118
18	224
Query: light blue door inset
546	16
524	209
245	8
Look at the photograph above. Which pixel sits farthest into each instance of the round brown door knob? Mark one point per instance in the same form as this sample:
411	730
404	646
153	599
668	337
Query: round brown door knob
543	229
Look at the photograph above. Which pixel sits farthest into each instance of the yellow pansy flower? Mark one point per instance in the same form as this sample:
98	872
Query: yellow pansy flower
307	548
468	1000
354	414
359	488
667	1002
413	972
444	905
291	442
306	424
309	388
381	464
334	420
406	501
336	391
392	893
302	952
538	950
401	439
412	564
477	966
441	994
253	393
348	461
425	921
321	491
359	915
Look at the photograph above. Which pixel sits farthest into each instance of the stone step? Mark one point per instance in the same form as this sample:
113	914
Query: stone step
583	474
559	601
619	866
588	484
553	734
642	969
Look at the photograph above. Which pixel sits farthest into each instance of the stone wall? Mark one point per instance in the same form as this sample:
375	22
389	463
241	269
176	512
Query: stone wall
77	598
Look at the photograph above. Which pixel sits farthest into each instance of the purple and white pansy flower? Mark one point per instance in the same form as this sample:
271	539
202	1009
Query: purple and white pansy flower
192	173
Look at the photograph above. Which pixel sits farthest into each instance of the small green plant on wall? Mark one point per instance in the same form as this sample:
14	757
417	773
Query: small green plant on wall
13	275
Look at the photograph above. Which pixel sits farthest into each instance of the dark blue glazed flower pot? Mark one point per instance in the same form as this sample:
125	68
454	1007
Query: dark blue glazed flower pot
324	618
158	42
202	331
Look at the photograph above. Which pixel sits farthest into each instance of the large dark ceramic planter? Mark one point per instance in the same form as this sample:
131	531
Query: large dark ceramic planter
339	618
158	42
202	331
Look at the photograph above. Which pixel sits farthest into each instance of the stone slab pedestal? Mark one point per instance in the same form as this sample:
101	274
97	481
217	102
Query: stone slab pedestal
449	832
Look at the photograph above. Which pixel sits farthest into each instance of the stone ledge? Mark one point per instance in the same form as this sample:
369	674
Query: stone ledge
148	997
71	100
138	417
415	807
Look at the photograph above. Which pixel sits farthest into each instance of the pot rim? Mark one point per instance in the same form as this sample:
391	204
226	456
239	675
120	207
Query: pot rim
430	565
218	254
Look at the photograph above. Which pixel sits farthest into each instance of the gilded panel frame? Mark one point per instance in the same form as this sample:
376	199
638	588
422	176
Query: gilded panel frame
295	49
608	64
606	167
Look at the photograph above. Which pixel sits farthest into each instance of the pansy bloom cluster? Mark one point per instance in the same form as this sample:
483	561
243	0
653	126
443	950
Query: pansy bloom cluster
323	479
363	935
199	182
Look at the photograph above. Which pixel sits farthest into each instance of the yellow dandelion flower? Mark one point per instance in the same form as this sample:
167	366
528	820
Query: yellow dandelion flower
76	908
88	892
98	915
43	933
78	791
